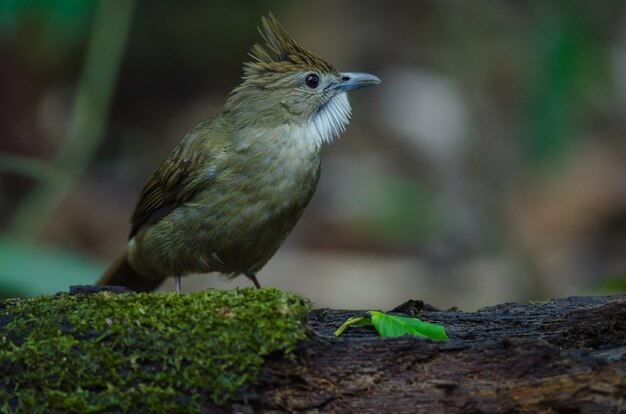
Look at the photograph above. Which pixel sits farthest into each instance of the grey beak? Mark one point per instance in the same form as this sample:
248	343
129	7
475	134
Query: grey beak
355	80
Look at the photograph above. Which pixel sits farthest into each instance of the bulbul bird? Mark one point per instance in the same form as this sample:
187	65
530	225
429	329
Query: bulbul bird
235	186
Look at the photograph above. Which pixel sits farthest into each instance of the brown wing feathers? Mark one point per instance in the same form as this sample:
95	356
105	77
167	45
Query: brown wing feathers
169	186
158	198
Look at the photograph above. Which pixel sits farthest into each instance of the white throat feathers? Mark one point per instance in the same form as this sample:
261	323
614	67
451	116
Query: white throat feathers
329	121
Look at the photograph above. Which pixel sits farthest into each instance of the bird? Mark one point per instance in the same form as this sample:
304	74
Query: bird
232	190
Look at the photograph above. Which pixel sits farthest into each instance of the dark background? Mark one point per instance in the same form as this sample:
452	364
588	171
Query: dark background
489	166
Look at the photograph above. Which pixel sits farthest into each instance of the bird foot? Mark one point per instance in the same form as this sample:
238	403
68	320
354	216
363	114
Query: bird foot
177	282
252	277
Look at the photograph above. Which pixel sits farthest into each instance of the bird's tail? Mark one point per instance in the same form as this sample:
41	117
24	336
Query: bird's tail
121	273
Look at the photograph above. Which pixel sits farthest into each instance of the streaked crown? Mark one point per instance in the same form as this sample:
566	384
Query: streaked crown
281	53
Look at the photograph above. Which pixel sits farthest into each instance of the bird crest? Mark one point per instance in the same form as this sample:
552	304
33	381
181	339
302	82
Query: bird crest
281	53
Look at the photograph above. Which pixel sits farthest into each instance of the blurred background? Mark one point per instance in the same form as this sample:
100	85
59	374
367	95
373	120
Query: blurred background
490	165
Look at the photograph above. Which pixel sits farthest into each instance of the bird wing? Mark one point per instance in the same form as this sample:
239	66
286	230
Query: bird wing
178	178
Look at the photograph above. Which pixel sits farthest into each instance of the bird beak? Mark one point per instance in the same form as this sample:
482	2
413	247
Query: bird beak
355	80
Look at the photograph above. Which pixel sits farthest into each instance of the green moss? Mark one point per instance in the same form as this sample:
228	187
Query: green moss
140	352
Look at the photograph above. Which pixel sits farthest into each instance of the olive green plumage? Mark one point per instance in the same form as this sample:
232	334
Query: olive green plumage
235	186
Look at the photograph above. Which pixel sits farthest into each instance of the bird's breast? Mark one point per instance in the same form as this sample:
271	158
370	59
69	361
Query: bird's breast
276	171
259	198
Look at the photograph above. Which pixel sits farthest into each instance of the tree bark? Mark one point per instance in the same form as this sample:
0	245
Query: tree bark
565	356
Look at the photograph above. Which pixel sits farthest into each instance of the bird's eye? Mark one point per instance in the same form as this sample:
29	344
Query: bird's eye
312	80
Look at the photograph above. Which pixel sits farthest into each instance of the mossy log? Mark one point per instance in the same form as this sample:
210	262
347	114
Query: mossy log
560	356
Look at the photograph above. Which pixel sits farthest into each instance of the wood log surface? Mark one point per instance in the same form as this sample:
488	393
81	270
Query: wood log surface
564	356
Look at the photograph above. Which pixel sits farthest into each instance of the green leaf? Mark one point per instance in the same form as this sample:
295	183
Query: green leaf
390	325
354	321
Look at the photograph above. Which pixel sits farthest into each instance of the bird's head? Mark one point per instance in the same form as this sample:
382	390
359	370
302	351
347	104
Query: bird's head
287	84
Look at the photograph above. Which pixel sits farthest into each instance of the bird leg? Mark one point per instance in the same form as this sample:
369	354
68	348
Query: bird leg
177	281
252	277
